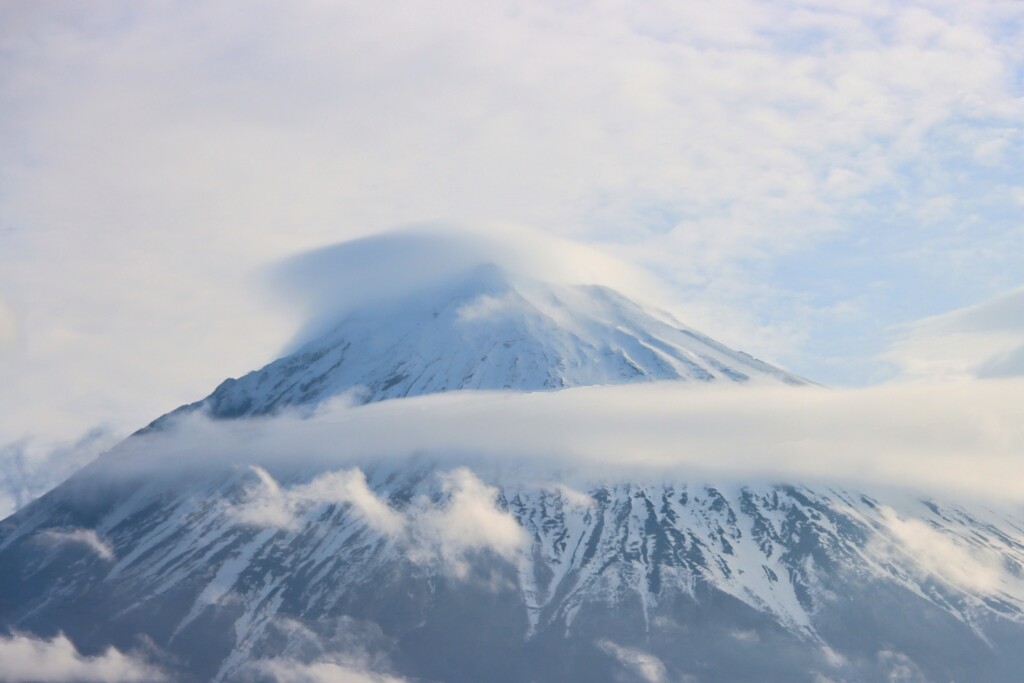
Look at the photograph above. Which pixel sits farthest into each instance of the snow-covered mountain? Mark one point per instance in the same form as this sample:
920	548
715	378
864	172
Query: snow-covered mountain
419	568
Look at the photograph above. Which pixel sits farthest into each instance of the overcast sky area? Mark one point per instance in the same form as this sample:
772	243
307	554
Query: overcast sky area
832	186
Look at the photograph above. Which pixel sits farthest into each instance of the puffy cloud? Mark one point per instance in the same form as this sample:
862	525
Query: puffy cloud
289	671
351	487
643	664
574	497
24	659
87	538
914	543
464	521
266	504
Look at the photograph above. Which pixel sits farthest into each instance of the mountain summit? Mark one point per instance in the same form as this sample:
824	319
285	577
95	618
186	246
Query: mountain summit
488	329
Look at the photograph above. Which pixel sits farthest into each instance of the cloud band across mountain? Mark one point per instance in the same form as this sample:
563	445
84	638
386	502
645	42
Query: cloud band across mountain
964	437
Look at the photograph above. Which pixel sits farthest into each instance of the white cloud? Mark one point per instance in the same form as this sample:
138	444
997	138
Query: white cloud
351	487
643	664
266	504
574	497
960	437
466	522
24	659
289	671
83	537
938	554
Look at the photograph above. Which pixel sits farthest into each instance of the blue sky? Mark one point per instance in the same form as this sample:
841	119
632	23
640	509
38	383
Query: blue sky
813	177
